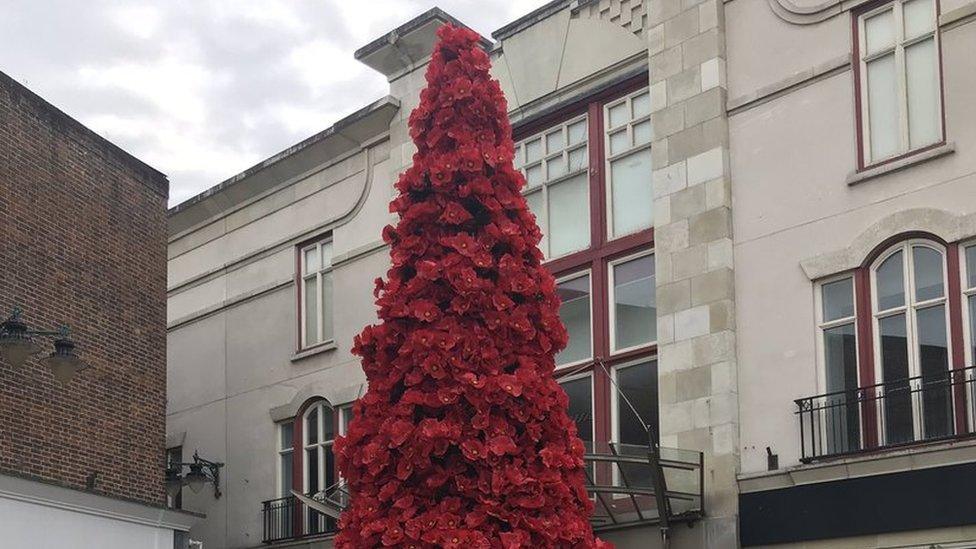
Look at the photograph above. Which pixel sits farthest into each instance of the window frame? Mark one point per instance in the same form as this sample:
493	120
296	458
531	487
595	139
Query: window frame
566	277
633	148
862	115
611	302
968	327
280	481
301	275
824	325
174	502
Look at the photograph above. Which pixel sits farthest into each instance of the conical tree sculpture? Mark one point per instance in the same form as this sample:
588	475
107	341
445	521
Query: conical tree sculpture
463	437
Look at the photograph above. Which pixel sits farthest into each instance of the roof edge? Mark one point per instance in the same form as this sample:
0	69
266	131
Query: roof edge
433	14
534	17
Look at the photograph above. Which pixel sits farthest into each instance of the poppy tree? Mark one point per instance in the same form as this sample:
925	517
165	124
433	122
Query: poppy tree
463	437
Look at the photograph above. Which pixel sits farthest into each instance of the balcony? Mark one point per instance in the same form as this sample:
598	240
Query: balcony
922	409
291	518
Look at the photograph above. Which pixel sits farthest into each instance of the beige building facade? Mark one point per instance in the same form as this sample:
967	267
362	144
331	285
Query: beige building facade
717	199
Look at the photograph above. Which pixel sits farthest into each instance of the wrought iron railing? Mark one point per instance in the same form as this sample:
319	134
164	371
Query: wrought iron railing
926	408
288	518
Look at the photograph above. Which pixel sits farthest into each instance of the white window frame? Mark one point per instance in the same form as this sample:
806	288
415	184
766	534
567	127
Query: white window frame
567	278
611	302
910	309
543	186
969	337
900	43
282	451
321	446
633	148
322	308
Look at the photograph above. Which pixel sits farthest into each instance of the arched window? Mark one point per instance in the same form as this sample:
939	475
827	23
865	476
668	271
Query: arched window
912	356
318	459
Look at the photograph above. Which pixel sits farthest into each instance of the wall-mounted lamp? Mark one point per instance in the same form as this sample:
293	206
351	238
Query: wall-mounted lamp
17	344
201	472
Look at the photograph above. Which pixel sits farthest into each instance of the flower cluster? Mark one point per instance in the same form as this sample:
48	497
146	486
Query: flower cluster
463	437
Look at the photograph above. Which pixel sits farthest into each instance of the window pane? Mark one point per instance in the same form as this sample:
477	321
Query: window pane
619	115
312	426
838	299
287	431
534	200
554	141
569	216
928	273
533	150
879	32
581	407
894	370
972	326
312	259
883	107
639	384
971	266
619	142
533	175
642	133
891	283
924	118
631	193
841	411
933	355
328	425
327	318
642	105
919	17
312	469
518	161
311	297
327	254
285	464
578	159
577	132
575	314
556	167
634	302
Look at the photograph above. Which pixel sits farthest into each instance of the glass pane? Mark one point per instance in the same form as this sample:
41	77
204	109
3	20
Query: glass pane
577	132
556	167
924	118
971	266
287	431
581	407
312	426
312	259
890	278
928	273
618	115
345	417
554	141
972	326
642	105
634	303
569	216
328	423
311	298
639	384
518	161
327	317
533	150
919	17
619	142
883	107
533	175
578	159
933	357
841	408
534	200
312	470
575	314
838	299
631	193
327	254
642	133
879	32
329	467
894	370
286	474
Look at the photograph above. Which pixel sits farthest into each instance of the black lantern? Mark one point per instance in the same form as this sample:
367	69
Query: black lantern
17	344
201	472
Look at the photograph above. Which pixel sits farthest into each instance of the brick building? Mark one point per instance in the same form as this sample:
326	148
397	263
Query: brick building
82	243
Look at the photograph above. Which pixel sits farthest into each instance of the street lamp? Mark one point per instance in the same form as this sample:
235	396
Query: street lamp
201	472
17	344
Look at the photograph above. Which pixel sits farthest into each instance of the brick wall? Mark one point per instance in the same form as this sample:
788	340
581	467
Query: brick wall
82	242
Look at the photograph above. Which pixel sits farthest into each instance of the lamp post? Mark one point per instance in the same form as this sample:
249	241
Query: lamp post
201	472
17	344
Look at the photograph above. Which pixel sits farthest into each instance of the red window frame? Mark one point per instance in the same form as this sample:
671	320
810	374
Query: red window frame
859	118
602	251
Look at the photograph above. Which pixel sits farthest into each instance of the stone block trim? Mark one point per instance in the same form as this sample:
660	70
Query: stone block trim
629	14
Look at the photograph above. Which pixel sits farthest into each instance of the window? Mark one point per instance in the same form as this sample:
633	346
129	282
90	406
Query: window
838	352
969	301
316	294
634	411
628	146
174	456
899	79
601	254
319	469
285	457
555	164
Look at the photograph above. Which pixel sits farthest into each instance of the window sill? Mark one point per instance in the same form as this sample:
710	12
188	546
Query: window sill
902	163
312	351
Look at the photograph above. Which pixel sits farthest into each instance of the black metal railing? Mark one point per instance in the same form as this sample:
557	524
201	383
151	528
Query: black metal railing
288	518
926	408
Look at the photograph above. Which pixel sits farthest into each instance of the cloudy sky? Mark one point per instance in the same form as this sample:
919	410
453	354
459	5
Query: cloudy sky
203	89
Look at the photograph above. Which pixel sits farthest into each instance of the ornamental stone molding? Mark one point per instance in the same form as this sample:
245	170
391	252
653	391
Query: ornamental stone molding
629	14
809	12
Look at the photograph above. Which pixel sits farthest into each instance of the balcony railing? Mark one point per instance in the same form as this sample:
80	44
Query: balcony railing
288	518
926	408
